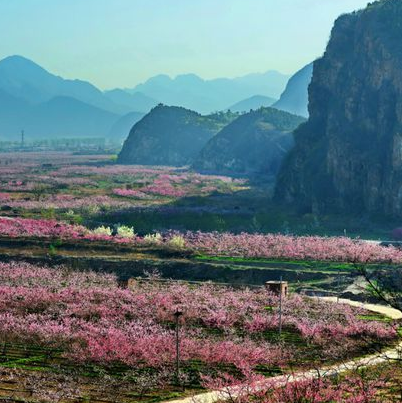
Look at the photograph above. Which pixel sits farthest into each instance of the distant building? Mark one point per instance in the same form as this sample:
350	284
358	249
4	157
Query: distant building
276	286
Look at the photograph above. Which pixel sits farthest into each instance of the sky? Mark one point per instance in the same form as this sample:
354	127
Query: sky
120	43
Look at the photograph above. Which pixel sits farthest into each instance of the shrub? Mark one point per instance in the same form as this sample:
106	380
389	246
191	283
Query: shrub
92	209
70	214
177	241
48	214
153	238
52	250
73	217
102	231
125	231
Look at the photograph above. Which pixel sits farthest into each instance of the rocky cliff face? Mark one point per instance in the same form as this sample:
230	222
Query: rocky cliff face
348	156
254	144
170	135
295	97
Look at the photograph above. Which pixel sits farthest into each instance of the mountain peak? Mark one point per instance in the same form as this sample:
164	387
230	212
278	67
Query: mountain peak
16	59
159	79
27	80
189	78
20	63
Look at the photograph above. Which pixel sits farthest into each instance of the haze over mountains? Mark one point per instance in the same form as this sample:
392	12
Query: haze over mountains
48	106
207	96
252	103
121	128
136	101
25	79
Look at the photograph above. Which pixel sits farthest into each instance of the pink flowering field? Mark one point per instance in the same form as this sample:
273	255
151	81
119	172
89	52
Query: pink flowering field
93	190
250	246
91	319
91	322
63	181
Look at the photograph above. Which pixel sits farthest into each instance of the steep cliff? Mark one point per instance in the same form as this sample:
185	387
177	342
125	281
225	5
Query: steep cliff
348	156
170	135
295	97
255	143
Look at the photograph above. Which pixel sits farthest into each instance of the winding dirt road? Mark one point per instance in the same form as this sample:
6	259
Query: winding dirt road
375	359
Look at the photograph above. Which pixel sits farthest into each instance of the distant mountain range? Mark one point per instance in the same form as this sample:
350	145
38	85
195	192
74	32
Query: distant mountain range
46	105
207	96
25	79
136	101
60	117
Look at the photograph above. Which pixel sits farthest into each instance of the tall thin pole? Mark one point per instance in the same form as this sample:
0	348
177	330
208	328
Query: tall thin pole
177	316
22	138
177	349
280	308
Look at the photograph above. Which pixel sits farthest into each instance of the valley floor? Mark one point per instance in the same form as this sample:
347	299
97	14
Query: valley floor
95	258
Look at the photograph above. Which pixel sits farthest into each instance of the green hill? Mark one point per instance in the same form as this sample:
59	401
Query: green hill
171	135
255	143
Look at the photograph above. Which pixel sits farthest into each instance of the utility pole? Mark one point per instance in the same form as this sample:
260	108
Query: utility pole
280	308
22	138
177	315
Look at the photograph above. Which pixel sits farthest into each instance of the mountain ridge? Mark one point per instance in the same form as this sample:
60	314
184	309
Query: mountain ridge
206	96
59	117
27	80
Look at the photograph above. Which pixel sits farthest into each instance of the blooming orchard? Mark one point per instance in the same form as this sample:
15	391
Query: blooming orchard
75	182
94	320
340	249
356	387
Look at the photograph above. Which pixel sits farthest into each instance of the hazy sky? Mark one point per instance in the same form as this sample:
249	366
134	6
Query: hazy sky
123	42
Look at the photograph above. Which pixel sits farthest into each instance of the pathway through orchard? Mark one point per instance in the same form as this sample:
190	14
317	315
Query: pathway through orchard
375	359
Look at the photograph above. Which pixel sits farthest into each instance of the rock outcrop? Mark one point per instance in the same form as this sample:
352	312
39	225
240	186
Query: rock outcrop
348	156
253	144
295	97
170	135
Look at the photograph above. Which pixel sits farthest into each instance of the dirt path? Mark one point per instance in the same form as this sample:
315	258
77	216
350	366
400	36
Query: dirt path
382	309
375	359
